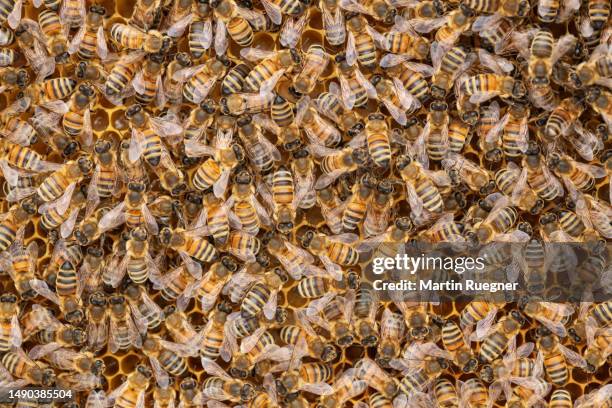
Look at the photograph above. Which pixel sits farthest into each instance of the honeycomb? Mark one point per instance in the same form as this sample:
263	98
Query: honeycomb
109	122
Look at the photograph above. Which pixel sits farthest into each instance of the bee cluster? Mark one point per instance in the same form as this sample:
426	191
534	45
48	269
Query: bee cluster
192	190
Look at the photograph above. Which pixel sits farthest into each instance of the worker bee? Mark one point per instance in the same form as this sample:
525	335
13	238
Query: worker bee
66	294
483	87
124	328
49	93
77	121
448	65
497	337
208	288
188	244
512	181
292	30
219	386
553	316
245	205
120	77
422	363
236	20
132	394
264	76
332	250
318	346
173	89
216	170
402	42
17	364
146	14
344	388
132	38
595	71
51	340
132	210
63	212
243	245
10	334
539	177
148	82
460	168
355	88
392	331
581	176
164	360
56	42
318	130
237	104
142	305
562	117
276	8
331	105
556	357
367	370
456	343
303	173
105	179
315	62
259	150
600	101
361	45
379	209
333	22
296	261
328	201
90	39
12	225
513	130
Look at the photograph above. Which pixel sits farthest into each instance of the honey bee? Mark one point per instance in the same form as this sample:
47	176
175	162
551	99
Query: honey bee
63	212
219	386
132	38
315	62
124	328
448	65
17	364
379	210
208	288
344	388
282	198
422	363
556	357
164	361
132	394
66	294
581	176
296	261
32	44
105	179
446	393
368	371
173	89
457	344
142	305
539	177
188	244
476	178
513	130
276	8
318	346
49	93
132	210
562	117
600	101
18	260
331	105
292	30
552	315
331	209
56	42
265	75
361	42
474	394
97	321
52	340
318	130
595	71
148	82
237	21
90	39
512	181
258	148
121	75
238	104
77	121
243	245
333	22
303	173
402	42
146	14
251	214
332	250
499	336
10	334
483	87
392	330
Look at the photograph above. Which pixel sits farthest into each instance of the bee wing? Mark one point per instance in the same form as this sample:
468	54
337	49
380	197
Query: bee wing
255	54
113	218
480	97
416	203
41	350
328	178
15	16
406	99
41	288
269	84
139	82
563	45
426	25
334	270
251	341
220	185
269	308
334	24
212	368
492	136
556	328
221	41
11	175
273	11
57	106
177	29
348	97
568	8
68	226
572	357
484	325
320	388
73	47
423	69
351	51
391	60
194	148
15	335
201	92
183	74
494	62
194	268
61	204
379	39
367	85
292	30
482	23
165	127
397	114
595	171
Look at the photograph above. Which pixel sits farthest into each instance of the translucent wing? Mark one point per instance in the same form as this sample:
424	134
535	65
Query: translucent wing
101	46
348	97
496	63
391	60
351	51
15	16
367	85
221	41
563	45
77	39
41	287
177	29
292	30
426	25
273	11
255	54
